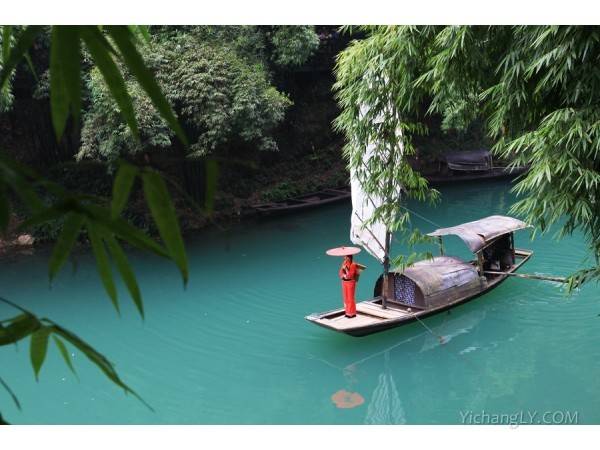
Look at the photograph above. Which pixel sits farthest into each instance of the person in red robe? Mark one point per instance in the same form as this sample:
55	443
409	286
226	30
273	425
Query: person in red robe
349	275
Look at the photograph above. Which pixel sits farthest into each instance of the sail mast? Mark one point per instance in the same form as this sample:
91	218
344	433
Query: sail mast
386	270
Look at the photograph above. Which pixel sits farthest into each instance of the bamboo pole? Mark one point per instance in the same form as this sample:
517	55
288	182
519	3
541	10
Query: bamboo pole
528	276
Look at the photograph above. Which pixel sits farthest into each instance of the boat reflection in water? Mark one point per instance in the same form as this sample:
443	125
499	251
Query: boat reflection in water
386	403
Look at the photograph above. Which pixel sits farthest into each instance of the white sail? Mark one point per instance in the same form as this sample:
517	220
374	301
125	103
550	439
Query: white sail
370	237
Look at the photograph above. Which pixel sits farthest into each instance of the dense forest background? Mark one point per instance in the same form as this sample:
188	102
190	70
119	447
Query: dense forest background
258	100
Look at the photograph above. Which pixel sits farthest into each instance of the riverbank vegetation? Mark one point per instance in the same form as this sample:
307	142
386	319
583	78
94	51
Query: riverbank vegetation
534	89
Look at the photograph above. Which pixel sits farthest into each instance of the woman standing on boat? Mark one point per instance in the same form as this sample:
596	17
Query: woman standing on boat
349	275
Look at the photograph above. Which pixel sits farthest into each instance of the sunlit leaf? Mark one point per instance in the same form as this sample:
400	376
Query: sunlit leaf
65	76
38	349
24	41
98	47
103	264
126	272
141	30
165	217
64	243
122	187
62	348
135	63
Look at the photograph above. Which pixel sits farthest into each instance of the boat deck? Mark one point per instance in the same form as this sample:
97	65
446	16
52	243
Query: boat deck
367	313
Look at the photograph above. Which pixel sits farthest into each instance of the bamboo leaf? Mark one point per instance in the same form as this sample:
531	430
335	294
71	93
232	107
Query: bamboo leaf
141	30
124	230
31	66
96	358
98	47
103	264
122	188
135	63
19	328
28	195
126	272
64	244
62	348
54	212
11	393
6	37
38	349
65	76
163	212
24	41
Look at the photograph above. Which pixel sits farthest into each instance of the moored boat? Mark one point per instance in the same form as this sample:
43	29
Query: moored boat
301	202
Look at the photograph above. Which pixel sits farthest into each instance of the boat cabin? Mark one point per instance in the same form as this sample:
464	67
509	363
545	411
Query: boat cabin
433	282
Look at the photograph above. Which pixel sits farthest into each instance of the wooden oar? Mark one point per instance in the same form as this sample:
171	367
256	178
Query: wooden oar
529	276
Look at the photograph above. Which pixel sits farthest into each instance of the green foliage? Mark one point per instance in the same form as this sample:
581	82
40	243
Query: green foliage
15	44
164	215
40	329
537	88
65	80
375	88
6	95
220	90
281	191
39	348
293	45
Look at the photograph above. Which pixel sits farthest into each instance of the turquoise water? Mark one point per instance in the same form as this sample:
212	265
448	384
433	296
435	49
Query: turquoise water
234	347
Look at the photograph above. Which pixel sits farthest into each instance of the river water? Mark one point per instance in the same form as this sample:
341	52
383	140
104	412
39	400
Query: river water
234	348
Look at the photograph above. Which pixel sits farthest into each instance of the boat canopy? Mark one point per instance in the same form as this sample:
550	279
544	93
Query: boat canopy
479	233
440	274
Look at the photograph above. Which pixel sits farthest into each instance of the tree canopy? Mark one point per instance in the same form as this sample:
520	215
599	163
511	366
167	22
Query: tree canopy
218	80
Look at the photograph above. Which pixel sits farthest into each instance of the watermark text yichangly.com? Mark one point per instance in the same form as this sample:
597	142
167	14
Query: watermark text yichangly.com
522	417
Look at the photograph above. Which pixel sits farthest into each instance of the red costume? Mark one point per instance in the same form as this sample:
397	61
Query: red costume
348	273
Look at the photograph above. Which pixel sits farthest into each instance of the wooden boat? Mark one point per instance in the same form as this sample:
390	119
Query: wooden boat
303	201
431	286
494	173
471	165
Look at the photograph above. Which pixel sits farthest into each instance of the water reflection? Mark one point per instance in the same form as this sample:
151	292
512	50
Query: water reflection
387	365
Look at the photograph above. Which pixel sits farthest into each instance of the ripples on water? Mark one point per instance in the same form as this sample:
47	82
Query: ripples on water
234	347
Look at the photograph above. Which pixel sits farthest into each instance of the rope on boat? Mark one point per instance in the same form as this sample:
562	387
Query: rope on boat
439	338
422	217
529	276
